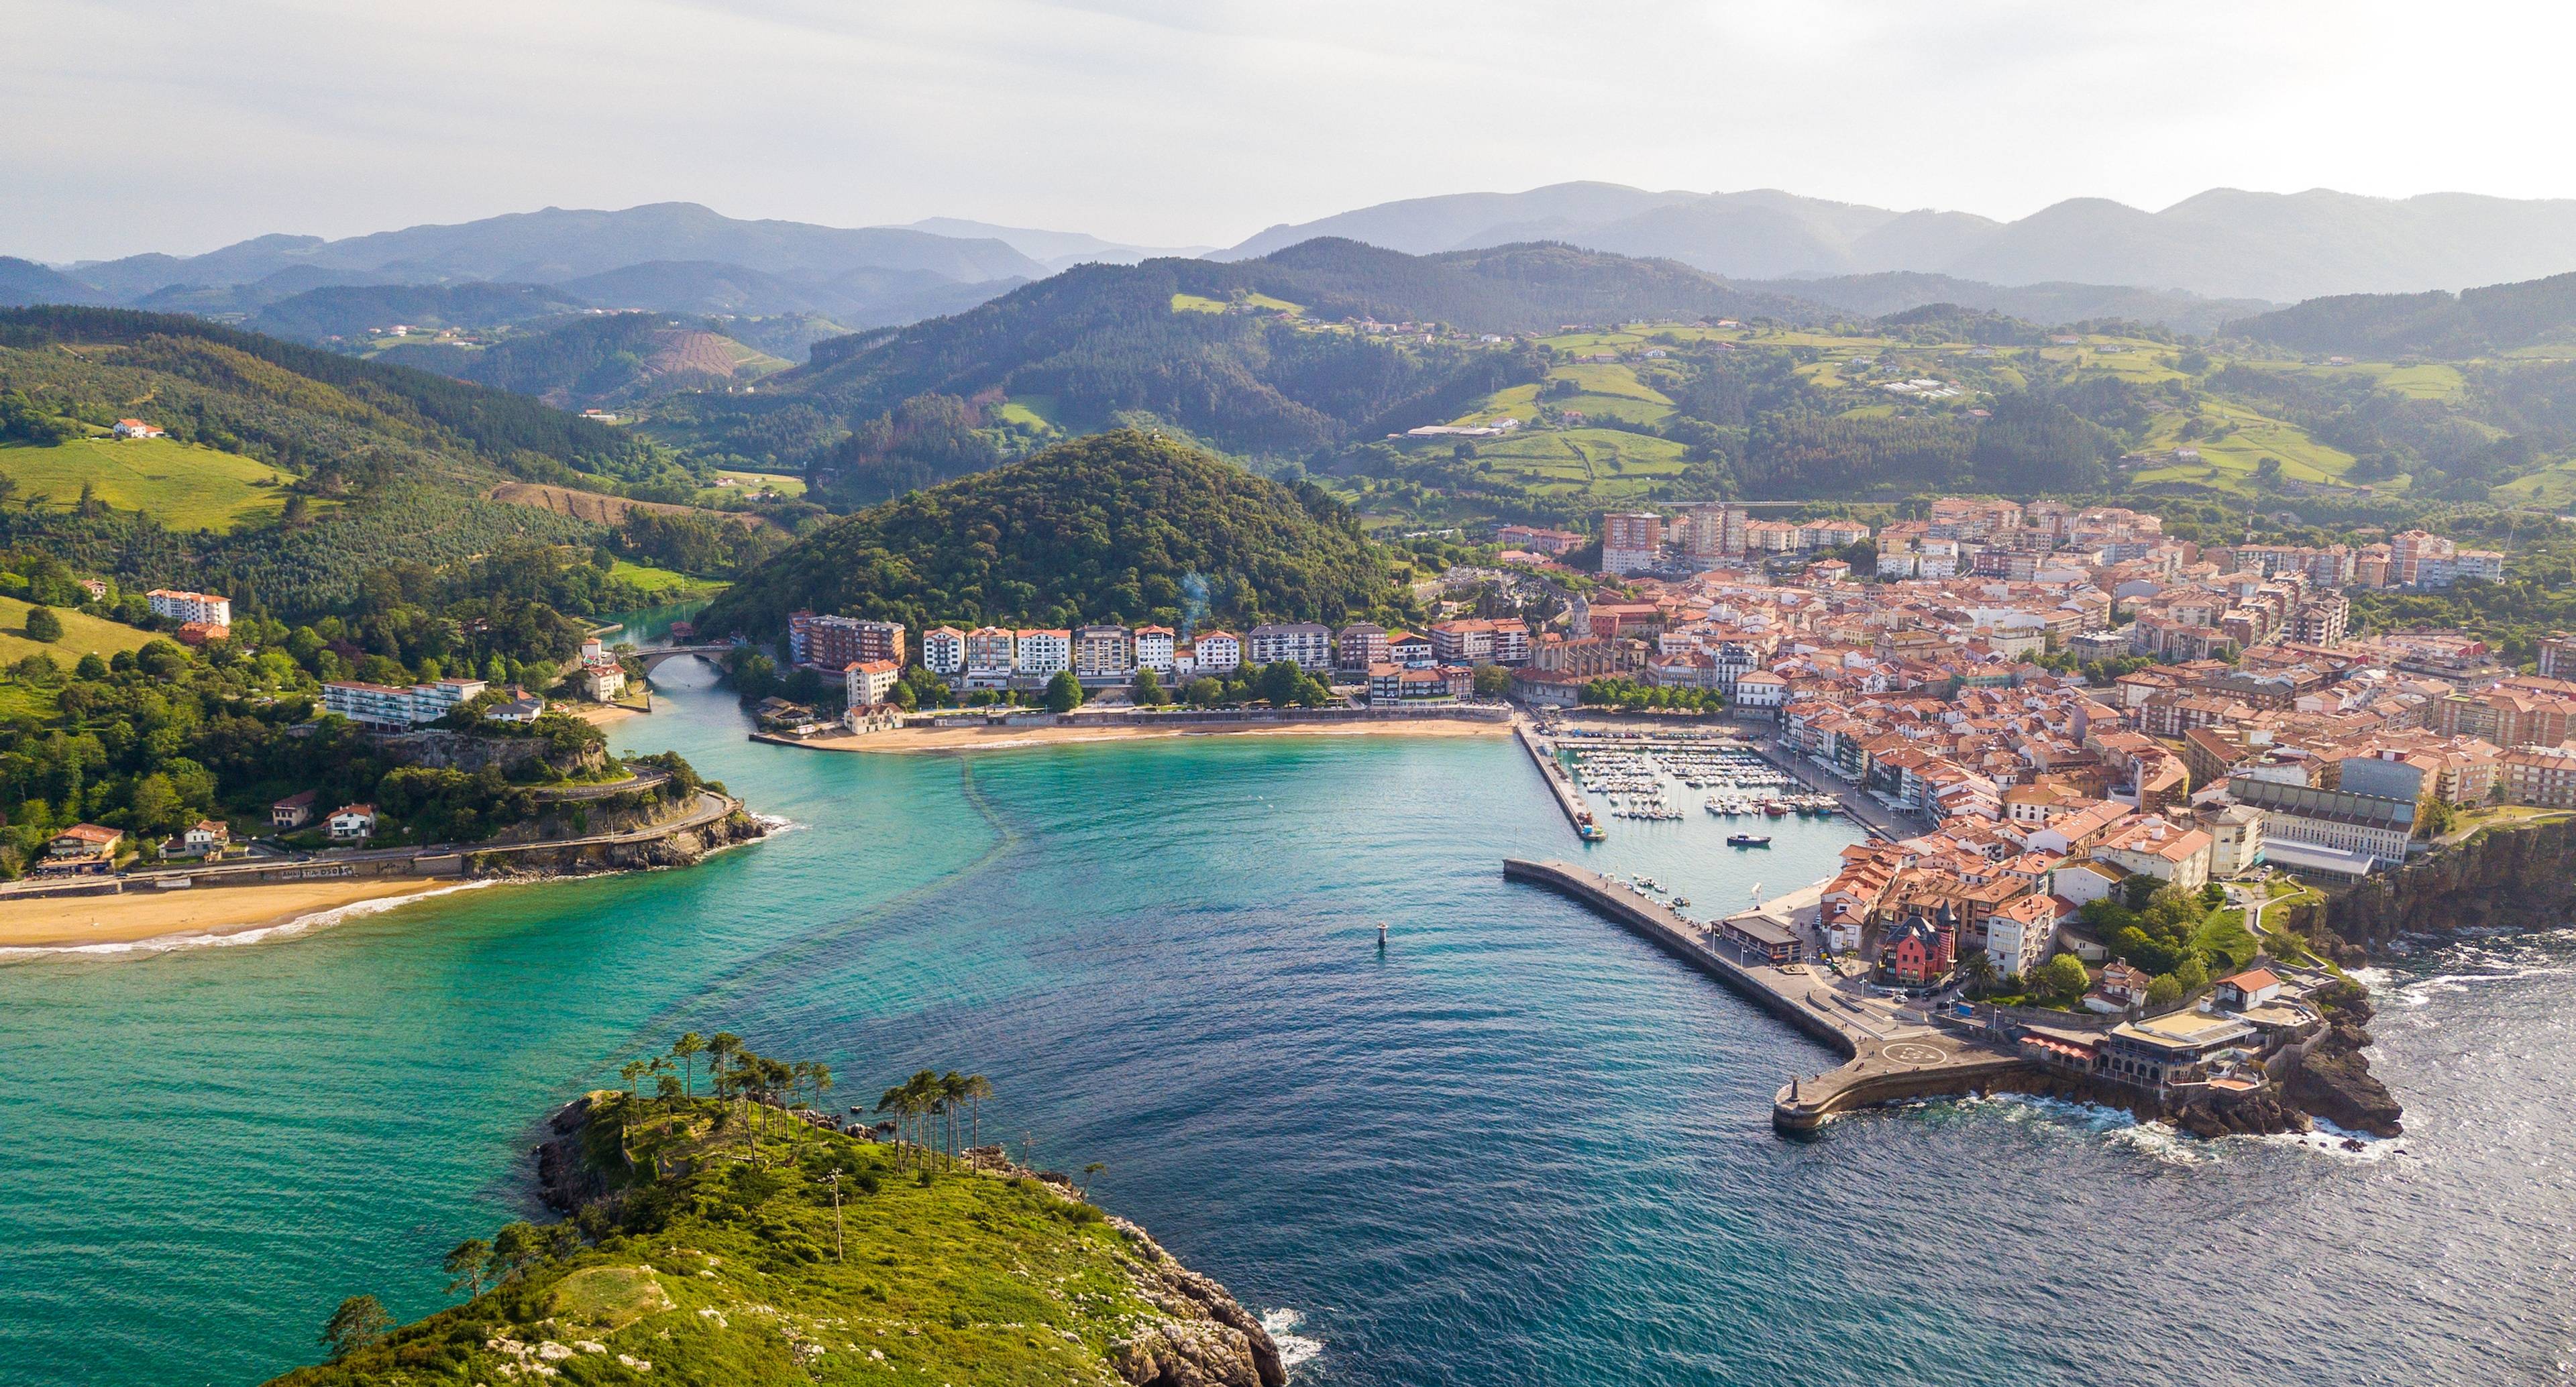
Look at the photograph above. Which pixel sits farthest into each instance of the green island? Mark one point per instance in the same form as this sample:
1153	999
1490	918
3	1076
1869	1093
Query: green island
742	1237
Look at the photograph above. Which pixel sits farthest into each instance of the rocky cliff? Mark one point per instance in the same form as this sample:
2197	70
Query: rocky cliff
2502	878
654	832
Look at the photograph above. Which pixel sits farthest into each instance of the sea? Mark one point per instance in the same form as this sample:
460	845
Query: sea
1515	1146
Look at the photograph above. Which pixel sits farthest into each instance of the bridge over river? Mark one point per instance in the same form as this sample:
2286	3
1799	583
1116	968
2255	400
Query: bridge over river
1887	1055
653	657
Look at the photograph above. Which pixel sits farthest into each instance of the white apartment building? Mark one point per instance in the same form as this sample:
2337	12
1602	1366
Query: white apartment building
869	682
191	606
1217	652
1042	654
394	707
1154	645
943	650
1304	642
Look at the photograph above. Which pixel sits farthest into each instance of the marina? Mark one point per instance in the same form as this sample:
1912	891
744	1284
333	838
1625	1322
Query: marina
1648	778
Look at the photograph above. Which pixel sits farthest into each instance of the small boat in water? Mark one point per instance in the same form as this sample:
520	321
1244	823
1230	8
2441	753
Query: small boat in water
1748	840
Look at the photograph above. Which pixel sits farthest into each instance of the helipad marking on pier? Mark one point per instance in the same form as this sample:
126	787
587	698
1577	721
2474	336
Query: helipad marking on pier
1915	1052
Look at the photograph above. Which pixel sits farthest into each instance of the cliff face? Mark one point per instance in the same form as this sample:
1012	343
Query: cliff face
2507	878
681	847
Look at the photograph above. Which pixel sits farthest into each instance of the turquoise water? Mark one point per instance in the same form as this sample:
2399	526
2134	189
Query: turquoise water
1518	1147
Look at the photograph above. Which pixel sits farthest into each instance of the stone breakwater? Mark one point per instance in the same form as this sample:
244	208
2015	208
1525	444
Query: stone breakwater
1892	1055
1886	1057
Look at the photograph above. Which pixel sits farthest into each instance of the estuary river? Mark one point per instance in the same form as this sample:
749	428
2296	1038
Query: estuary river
1518	1147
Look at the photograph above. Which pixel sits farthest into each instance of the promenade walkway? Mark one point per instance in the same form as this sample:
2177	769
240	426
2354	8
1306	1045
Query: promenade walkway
1887	1057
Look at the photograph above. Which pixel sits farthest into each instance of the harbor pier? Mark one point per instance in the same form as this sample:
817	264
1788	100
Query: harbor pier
1888	1056
1542	752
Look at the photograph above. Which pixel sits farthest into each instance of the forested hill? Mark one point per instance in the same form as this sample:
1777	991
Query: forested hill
2473	322
1245	355
1123	526
392	405
287	475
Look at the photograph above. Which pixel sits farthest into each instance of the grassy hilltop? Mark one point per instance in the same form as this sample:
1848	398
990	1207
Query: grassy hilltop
706	1249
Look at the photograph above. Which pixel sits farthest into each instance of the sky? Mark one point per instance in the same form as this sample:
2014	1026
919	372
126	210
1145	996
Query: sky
160	125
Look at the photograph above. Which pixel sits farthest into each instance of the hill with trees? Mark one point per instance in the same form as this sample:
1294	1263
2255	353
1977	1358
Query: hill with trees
289	474
1123	526
595	360
347	311
740	1237
2473	322
1250	356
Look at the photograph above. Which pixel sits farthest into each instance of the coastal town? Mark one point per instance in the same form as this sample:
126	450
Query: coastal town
2090	757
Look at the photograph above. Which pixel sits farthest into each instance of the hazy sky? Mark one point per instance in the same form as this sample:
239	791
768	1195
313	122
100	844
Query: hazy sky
159	125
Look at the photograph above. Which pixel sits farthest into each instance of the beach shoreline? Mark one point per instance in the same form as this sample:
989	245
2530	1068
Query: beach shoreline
151	919
917	739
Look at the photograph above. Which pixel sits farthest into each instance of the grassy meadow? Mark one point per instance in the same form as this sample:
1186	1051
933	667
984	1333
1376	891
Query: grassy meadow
182	485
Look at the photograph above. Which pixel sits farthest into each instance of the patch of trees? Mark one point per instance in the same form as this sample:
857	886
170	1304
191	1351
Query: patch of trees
2474	322
923	441
692	542
2031	444
1829	455
1623	692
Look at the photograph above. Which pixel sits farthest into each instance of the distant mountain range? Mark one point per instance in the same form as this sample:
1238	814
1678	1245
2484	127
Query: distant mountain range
672	257
2222	243
2213	258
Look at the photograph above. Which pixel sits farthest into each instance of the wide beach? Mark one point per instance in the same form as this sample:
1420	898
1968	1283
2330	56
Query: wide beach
137	917
987	738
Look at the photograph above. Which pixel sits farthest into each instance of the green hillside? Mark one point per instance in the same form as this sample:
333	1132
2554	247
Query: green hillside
289	473
727	1243
1256	356
186	486
1121	526
2474	322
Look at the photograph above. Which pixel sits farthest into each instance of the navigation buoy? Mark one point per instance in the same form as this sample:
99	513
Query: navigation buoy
1381	936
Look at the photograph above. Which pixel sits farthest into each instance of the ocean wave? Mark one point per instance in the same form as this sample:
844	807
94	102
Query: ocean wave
1294	1348
2331	1140
284	929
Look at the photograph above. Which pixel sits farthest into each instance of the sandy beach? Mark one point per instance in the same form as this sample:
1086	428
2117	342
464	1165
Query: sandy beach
602	714
134	917
1003	738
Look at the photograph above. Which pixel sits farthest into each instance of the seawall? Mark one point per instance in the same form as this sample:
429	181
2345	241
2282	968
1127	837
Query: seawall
1667	930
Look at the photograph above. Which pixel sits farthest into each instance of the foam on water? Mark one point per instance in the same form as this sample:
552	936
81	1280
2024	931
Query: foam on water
1294	1348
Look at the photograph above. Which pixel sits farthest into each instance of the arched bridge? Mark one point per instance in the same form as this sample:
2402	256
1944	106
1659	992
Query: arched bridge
654	656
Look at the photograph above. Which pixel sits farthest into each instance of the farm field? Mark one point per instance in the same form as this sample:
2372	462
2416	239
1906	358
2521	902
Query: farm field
2229	462
1608	465
182	485
657	580
751	484
1200	303
82	634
